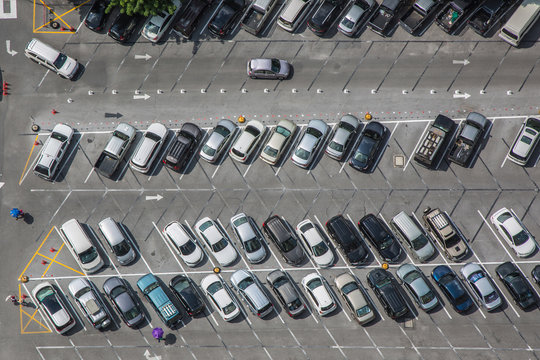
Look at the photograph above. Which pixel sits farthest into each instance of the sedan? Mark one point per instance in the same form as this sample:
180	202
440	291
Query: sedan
314	243
525	142
89	302
320	293
311	141
356	17
285	292
280	138
369	148
249	237
156	26
97	17
184	290
148	148
376	231
220	295
247	142
417	285
249	288
482	286
452	288
268	69
123	300
385	287
216	241
123	26
343	137
536	274
325	15
354	298
48	298
514	232
516	284
217	141
225	17
184	243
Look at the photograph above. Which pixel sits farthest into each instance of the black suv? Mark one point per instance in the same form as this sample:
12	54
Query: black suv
188	21
185	292
286	241
381	237
187	141
385	287
97	17
325	15
348	240
516	284
123	26
225	18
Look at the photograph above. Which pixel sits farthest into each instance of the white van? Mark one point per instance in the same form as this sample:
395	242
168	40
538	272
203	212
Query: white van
53	151
51	58
294	14
521	22
81	246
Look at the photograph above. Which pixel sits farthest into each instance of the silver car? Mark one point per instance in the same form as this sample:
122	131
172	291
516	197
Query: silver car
525	142
268	69
156	26
356	17
417	285
217	141
312	140
285	292
90	302
281	137
250	290
249	238
123	300
483	288
345	133
315	243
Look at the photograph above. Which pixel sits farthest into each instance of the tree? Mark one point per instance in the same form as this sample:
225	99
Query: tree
142	7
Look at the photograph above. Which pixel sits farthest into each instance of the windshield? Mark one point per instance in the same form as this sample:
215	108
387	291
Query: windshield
88	255
410	277
335	146
188	248
43	293
215	287
240	221
384	282
281	130
60	61
425	299
313	284
252	245
419	242
81	292
152	28
387	242
363	311
181	285
208	150
287	245
151	288
474	277
121	249
302	154
222	130
320	249
242	285
120	135
205	225
42	170
349	287
276	66
220	245
280	281
117	291
153	136
520	238
503	217
347	23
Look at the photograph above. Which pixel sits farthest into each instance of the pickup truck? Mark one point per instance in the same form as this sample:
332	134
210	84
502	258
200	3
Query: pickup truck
256	15
189	19
435	143
488	15
454	14
115	150
152	290
469	139
417	15
384	18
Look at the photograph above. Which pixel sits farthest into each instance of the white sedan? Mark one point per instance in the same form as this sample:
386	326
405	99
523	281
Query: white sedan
216	241
314	242
247	141
184	243
514	232
220	296
319	293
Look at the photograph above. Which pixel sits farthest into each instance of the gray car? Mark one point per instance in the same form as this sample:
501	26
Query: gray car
123	300
286	293
217	141
90	302
416	283
250	290
356	17
343	137
249	238
268	69
311	141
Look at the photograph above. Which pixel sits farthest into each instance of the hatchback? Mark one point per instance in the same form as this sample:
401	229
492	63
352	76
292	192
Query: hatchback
148	148
123	300
53	151
343	137
249	237
56	310
482	286
525	142
354	298
280	138
268	69
226	17
221	297
277	229
376	231
514	232
123	26
250	290
186	142
247	142
315	243
285	291
218	140
516	284
356	17
156	26
369	147
184	290
311	141
216	241
452	287
417	285
90	302
320	293
184	243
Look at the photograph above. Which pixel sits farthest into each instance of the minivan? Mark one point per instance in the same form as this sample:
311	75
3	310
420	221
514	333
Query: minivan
118	243
412	236
81	246
294	14
52	59
148	148
53	151
521	22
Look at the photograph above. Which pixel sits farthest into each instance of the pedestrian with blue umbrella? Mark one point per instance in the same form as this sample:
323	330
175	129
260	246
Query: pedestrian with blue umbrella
16	213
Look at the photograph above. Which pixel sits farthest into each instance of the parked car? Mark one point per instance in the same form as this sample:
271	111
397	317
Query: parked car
248	141
216	241
154	293
319	293
220	296
90	303
268	69
419	14
250	290
354	298
516	284
434	145
488	15
525	142
81	247
226	17
218	140
357	16
342	231
514	232
450	239
123	300
115	150
122	27
186	142
471	135
189	19
285	292
96	17
536	274
157	25
482	286
370	147
325	15
148	148
417	285
53	151
279	232
184	290
249	238
386	17
295	13
280	138
378	234
452	287
54	307
344	136
315	243
117	241
184	243
454	14
387	291
310	143
412	236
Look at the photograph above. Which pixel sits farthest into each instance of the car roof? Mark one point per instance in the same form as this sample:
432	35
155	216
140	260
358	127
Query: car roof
261	64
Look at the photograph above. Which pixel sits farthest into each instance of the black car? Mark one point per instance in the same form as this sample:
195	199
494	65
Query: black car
516	284
286	240
123	26
187	141
536	274
369	147
189	19
376	231
385	287
325	15
97	17
185	292
488	15
226	17
452	288
348	240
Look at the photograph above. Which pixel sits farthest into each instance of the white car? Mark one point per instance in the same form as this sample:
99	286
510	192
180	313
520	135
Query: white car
525	142
482	286
311	141
217	141
183	242
514	232
314	243
249	238
281	137
220	296
216	241
156	26
319	293
90	302
50	301
247	142
53	151
148	148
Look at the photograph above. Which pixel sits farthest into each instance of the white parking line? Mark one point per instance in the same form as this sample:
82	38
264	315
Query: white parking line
416	147
399	242
89	174
136	248
495	234
373	342
66	159
211	17
169	247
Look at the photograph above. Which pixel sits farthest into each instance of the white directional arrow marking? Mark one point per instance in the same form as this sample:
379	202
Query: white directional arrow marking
464	96
8	48
145	96
145	57
1	184
155	197
461	62
150	357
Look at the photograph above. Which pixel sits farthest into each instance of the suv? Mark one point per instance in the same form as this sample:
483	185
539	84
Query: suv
348	240
447	235
148	148
189	19
187	141
376	231
160	301
90	302
53	151
277	229
250	290
385	287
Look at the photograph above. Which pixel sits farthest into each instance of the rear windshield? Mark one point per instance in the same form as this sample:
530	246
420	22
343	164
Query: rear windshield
509	34
88	255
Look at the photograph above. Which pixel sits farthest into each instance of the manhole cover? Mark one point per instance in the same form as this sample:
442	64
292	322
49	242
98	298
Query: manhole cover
399	160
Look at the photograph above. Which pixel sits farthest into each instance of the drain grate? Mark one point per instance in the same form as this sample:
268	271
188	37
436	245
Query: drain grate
399	160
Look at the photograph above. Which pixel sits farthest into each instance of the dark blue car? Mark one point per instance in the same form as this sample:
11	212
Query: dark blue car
369	147
452	287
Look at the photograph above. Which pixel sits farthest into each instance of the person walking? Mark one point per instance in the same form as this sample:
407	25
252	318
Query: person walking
16	213
13	299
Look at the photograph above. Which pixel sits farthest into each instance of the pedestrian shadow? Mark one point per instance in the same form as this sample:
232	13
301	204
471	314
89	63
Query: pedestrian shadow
170	339
28	219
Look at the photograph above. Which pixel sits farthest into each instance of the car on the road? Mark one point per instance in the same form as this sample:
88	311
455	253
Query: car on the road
525	142
442	229
184	243
386	289
90	302
319	293
285	292
184	145
417	285
154	293
354	298
218	140
247	142
380	236
96	17
54	307
123	300
217	242
343	137
452	287
356	17
315	244
280	138
157	25
249	238
221	297
517	285
268	69
53	151
279	232
123	26
342	231
184	290
325	15
226	17
250	290
369	147
148	148
311	141
514	232
412	236
45	55
118	242
482	286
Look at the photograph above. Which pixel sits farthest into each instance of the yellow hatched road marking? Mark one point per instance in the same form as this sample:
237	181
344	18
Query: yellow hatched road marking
53	260
33	256
58	17
59	263
27	160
